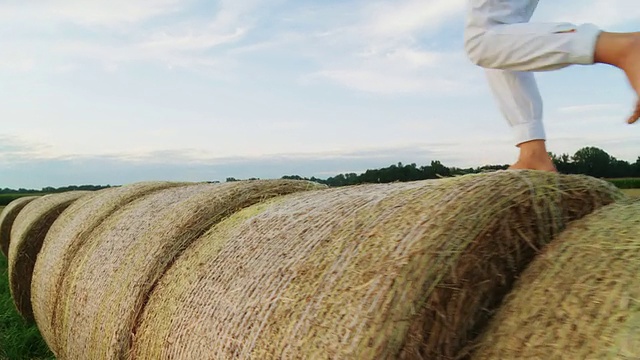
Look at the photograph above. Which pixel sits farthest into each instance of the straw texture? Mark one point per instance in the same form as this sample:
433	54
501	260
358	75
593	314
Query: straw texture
7	217
27	234
67	235
580	299
405	270
111	275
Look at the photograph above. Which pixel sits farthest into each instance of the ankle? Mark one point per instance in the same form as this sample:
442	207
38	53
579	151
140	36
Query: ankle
534	148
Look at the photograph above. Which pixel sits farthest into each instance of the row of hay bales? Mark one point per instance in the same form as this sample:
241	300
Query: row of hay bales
281	269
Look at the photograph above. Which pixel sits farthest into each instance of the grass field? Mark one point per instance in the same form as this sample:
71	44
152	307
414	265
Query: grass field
632	192
5	199
18	340
626	183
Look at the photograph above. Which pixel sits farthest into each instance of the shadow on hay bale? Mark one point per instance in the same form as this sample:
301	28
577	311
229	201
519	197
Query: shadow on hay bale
404	270
7	217
109	278
67	234
27	234
580	299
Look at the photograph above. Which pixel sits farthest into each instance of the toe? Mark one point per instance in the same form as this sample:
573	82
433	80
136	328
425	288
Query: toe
636	114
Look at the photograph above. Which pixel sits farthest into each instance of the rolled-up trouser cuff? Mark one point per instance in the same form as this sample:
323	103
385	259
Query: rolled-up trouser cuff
532	130
584	44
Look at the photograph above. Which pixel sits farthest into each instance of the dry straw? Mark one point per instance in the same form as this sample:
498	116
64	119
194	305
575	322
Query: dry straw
580	299
108	280
27	234
67	235
397	271
7	217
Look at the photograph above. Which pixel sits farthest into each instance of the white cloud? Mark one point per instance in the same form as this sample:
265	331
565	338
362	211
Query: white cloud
383	47
171	43
91	13
382	79
108	12
404	18
15	149
372	47
414	57
16	62
401	69
111	32
370	81
198	41
231	21
610	13
589	108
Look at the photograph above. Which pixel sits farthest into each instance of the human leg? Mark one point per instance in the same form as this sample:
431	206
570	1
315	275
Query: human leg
516	92
498	35
543	47
622	50
519	101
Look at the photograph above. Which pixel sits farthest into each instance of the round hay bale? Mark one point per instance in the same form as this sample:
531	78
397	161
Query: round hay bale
395	271
27	234
109	279
580	299
67	234
7	217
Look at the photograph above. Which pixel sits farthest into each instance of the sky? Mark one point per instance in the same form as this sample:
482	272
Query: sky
120	91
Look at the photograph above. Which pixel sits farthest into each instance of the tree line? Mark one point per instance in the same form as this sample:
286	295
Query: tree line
590	161
53	190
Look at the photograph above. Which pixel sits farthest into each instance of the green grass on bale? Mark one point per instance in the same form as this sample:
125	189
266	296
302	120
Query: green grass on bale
18	339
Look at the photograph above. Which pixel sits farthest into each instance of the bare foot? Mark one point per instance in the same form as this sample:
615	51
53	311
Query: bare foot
534	164
636	115
623	51
631	67
533	156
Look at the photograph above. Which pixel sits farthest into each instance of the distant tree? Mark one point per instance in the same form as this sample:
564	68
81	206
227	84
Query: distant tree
620	169
440	170
320	181
589	160
593	161
293	177
351	178
563	163
338	180
636	168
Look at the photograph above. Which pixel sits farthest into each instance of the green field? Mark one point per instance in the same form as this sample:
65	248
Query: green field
632	192
626	183
18	340
5	199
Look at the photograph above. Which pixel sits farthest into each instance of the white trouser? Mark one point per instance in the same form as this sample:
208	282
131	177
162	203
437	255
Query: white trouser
499	37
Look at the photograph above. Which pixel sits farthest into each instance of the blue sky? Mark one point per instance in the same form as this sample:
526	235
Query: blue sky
119	91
